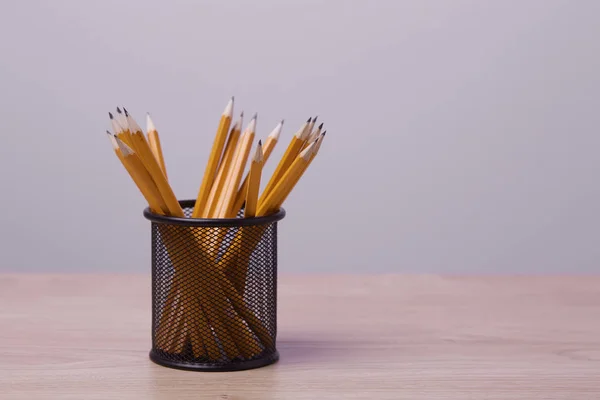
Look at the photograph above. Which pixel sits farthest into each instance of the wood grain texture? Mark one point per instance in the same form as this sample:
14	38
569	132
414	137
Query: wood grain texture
340	337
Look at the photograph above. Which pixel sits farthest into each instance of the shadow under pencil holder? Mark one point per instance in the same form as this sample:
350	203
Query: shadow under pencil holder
214	291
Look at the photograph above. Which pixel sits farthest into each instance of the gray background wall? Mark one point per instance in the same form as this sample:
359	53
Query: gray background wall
463	135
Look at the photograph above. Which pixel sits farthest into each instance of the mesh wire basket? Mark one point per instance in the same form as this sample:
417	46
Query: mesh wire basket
214	291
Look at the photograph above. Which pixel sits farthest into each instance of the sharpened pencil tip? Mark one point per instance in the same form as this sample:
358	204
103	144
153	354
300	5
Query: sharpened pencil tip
112	139
228	112
315	119
321	126
307	151
125	111
282	121
274	135
258	154
308	120
251	127
323	134
255	116
118	110
110	115
149	124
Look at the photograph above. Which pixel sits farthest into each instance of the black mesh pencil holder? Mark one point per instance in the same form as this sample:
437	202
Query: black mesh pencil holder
214	291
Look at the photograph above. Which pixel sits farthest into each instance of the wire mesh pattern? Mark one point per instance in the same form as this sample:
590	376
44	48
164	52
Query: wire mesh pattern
214	294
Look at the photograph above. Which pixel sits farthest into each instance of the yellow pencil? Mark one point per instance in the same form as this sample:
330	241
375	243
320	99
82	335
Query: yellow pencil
287	182
317	145
138	174
154	143
237	169
254	182
213	160
291	152
224	166
267	149
239	278
141	147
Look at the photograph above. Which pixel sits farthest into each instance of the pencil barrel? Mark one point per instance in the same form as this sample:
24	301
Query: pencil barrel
214	291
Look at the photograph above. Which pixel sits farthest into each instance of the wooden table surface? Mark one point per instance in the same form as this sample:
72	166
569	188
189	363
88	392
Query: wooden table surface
340	337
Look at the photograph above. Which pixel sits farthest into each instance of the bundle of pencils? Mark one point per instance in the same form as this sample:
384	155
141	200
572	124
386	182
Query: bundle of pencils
225	327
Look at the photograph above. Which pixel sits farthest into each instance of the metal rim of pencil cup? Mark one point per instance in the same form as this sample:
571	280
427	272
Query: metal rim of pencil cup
157	355
212	222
